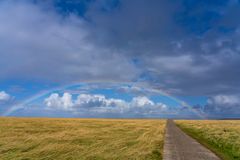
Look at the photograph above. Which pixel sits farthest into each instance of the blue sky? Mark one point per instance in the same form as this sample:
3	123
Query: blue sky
120	58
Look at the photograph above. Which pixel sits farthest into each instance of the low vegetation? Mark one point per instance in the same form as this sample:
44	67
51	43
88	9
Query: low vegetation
80	139
221	136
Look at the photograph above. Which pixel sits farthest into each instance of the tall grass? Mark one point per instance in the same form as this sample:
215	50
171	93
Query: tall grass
221	136
80	139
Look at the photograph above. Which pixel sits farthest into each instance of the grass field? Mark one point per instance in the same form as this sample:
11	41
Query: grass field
221	136
74	139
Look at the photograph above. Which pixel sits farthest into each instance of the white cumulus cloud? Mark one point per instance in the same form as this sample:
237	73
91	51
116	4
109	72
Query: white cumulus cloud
4	96
224	100
55	100
223	105
96	103
141	102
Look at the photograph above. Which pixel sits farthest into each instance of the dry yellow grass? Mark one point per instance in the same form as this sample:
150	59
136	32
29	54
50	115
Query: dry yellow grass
222	136
50	139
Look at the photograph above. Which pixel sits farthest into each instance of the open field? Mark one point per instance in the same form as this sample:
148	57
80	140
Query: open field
48	139
221	136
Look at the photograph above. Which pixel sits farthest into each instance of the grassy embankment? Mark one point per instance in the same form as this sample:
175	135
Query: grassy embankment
221	136
76	139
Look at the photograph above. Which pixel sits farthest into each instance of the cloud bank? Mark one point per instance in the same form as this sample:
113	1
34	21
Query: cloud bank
99	104
223	106
47	46
123	41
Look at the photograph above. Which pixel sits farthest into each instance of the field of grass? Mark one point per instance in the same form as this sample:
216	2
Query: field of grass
221	136
78	139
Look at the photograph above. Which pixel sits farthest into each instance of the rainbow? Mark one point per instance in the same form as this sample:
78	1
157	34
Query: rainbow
27	101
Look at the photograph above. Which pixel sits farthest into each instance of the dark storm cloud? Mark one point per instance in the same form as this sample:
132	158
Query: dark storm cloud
181	46
46	46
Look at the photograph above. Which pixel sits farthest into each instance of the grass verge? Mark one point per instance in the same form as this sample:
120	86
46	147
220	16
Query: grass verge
222	137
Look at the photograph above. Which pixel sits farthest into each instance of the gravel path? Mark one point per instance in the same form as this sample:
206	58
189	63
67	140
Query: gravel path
179	146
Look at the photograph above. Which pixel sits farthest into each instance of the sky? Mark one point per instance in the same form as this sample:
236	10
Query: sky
120	58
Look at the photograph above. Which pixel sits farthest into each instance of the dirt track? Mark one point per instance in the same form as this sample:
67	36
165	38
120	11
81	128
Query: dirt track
180	146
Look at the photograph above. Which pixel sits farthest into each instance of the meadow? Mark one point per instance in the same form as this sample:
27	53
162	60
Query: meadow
80	139
221	136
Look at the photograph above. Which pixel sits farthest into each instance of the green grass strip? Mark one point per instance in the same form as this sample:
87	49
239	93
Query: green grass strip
222	150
